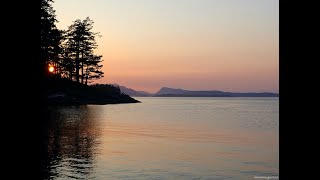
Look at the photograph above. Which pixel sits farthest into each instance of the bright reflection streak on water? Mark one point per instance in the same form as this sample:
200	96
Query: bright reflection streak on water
165	138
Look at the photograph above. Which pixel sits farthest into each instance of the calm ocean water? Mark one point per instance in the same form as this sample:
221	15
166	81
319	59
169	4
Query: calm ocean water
165	138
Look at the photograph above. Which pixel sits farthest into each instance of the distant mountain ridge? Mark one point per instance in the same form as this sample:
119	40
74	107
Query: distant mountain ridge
172	92
132	92
181	92
176	92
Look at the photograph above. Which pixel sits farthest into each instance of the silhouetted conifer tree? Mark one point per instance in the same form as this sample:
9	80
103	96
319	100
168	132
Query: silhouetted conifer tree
50	36
81	44
71	52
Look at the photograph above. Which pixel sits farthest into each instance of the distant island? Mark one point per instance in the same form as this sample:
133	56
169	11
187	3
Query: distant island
132	92
172	92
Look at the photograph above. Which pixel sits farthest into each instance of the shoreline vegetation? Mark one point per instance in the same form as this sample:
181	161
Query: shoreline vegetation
70	63
62	91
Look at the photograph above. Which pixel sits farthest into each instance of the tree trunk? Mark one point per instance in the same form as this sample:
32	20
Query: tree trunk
77	69
70	73
82	60
77	62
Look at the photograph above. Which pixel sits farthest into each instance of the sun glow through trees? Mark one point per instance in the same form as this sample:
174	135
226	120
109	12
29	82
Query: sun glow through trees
51	69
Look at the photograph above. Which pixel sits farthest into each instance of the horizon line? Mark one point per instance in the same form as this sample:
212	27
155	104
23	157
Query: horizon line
261	91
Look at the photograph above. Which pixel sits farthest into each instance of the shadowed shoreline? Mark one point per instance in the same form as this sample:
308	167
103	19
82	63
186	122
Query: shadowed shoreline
62	91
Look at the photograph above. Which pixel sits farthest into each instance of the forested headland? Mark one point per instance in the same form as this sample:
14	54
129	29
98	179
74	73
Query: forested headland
70	64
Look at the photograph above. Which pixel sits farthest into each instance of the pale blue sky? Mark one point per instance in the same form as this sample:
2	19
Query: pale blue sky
230	45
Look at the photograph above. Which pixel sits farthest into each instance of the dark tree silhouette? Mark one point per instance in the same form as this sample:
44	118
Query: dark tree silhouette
67	66
50	36
93	68
79	46
71	53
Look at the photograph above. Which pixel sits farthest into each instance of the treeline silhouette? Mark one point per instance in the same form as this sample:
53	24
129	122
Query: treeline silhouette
70	52
70	64
62	91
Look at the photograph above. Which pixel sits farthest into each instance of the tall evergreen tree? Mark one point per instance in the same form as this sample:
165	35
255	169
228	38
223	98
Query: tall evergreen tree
66	58
50	36
71	52
81	42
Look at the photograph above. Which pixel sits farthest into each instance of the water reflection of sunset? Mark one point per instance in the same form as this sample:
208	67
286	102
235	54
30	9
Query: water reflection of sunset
72	141
138	140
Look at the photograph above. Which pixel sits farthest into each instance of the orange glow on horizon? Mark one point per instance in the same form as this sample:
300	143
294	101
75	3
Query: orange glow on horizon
192	45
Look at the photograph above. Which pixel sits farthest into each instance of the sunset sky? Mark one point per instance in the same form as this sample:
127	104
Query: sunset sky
228	45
